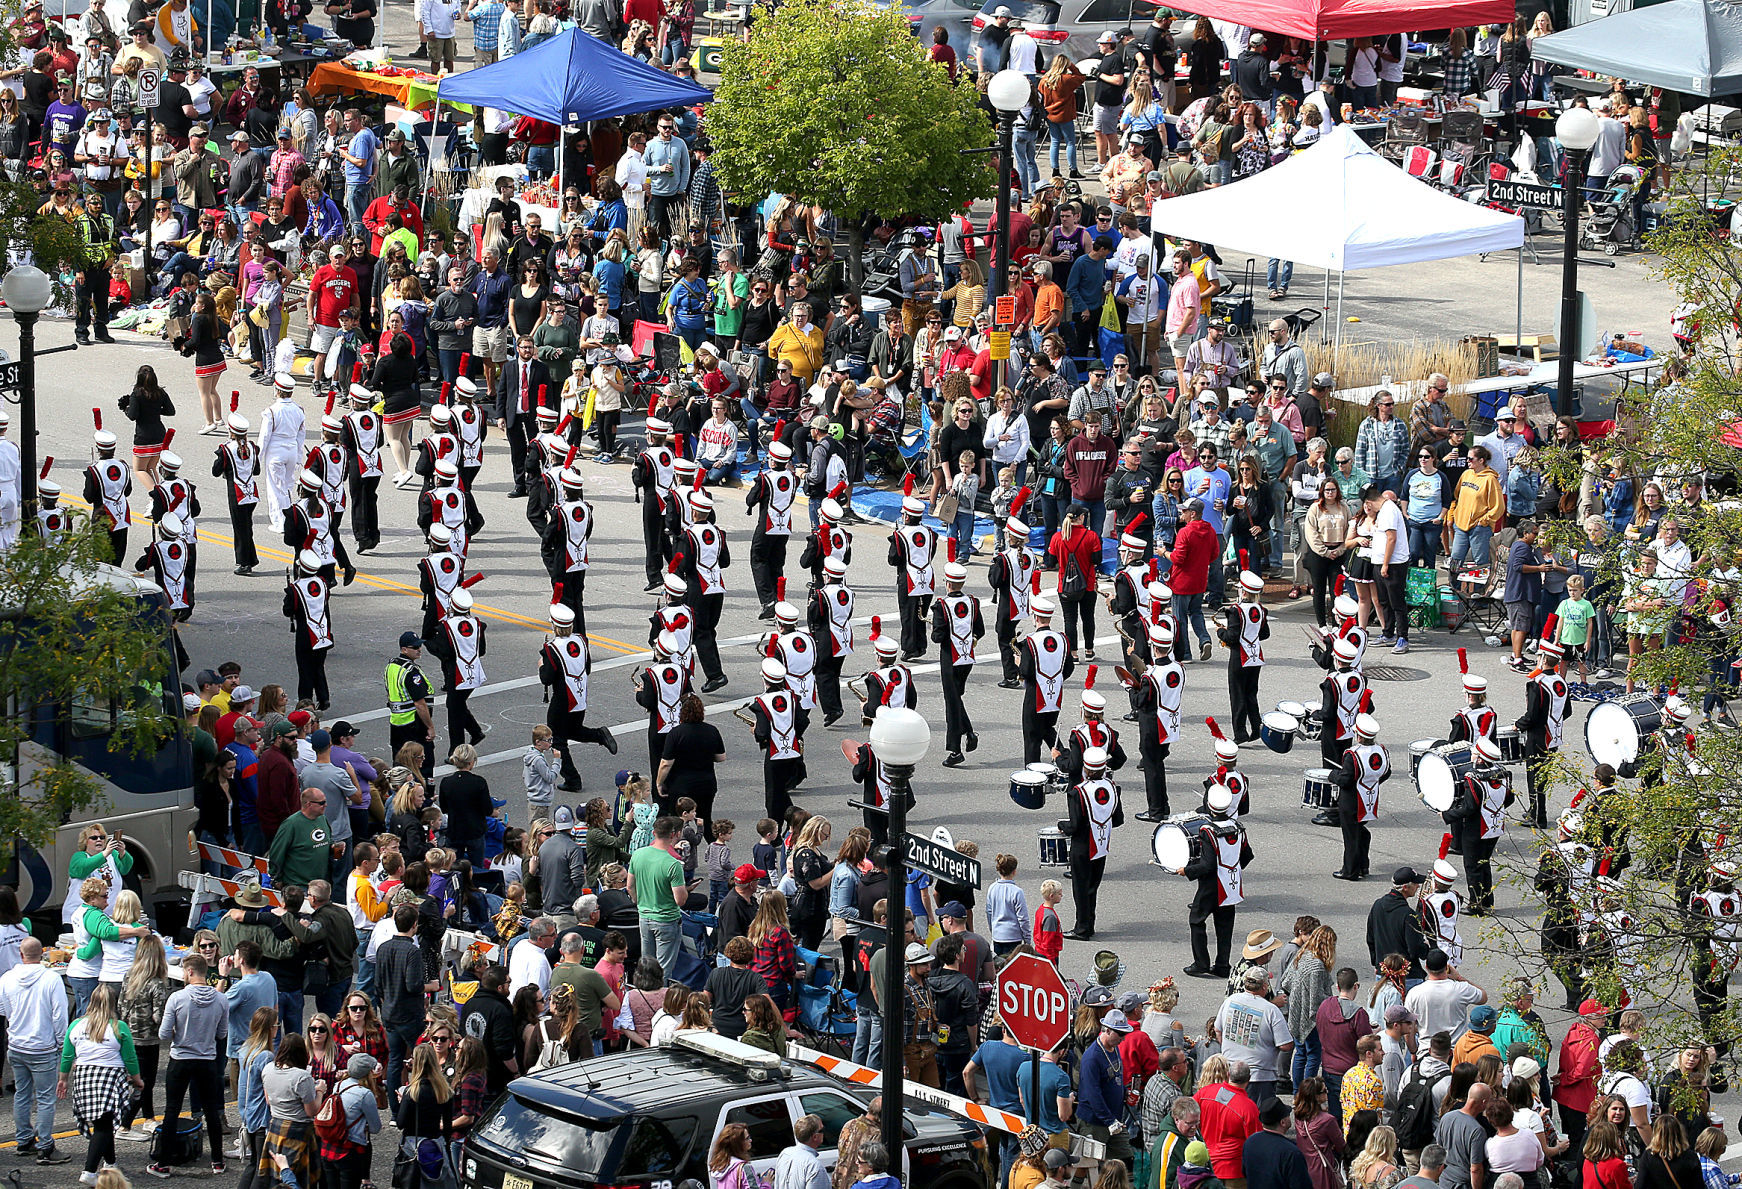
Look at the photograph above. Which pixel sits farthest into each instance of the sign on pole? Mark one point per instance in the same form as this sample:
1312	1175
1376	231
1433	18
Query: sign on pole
998	343
1034	1003
9	375
150	82
940	860
1004	310
1511	193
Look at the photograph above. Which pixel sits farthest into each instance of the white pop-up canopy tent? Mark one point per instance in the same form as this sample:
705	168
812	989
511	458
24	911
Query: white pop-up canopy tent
1338	206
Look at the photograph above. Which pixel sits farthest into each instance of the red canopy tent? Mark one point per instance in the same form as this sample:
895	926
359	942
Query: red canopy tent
1329	20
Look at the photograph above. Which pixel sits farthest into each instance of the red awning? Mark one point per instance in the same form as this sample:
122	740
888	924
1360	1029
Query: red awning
1324	20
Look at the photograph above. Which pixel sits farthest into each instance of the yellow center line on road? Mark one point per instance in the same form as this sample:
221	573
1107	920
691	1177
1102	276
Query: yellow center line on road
512	618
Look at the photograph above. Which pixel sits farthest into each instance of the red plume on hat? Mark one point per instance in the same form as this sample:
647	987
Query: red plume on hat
569	458
1137	523
906	483
1243	563
1214	728
1154	571
465	363
778	431
1339	587
773	647
1034	580
1549	625
700	475
168	438
544	396
1019	499
97	416
1445	845
950	549
446	393
331	397
838	490
1463	662
1155	610
675	564
46	464
780	589
653	405
357	373
1089	677
1578	798
1603	867
876	627
563	425
556	593
471	580
235	400
1367	701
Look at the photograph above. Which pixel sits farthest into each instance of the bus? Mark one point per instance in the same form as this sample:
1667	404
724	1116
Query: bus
146	797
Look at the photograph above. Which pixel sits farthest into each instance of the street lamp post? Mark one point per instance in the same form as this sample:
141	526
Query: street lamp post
1577	131
27	292
899	738
1008	92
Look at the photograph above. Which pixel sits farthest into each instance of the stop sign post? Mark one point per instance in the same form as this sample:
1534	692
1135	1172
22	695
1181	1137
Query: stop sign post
1035	1007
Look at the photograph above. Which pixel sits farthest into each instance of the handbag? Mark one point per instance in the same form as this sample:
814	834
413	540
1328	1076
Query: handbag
945	508
257	315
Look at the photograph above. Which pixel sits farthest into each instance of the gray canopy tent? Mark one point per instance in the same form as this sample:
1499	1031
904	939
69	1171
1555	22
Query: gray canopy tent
1694	46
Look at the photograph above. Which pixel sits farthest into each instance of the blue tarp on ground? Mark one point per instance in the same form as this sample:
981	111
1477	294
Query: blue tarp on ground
570	79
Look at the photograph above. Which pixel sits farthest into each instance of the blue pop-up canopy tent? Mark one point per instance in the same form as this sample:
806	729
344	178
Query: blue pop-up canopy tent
570	79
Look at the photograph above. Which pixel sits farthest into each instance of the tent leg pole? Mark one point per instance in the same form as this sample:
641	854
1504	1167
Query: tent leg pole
1518	317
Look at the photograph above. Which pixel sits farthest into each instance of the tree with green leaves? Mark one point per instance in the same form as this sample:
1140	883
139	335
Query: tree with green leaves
834	103
73	631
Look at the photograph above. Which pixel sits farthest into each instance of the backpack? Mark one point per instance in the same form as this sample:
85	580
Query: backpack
331	1123
1414	1118
551	1052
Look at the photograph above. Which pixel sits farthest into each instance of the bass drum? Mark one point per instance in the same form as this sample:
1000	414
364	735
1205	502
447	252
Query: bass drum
1616	731
1178	840
1441	773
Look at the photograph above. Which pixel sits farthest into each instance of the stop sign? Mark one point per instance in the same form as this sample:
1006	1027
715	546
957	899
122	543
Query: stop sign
1033	1003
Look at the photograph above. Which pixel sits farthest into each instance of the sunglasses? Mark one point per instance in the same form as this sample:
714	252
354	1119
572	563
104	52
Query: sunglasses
441	1040
316	1028
358	1007
208	945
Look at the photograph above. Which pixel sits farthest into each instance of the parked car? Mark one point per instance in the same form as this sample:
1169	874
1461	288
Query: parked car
1069	28
647	1119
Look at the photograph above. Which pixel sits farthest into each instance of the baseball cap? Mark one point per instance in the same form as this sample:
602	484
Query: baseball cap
1193	505
747	873
1057	1158
1132	1000
1197	1153
917	954
206	677
1483	1017
281	728
1106	38
1323	380
1272	1113
320	740
563	818
300	719
239	135
241	694
191	703
1399	1014
1405	875
1116	1021
341	729
410	640
955	910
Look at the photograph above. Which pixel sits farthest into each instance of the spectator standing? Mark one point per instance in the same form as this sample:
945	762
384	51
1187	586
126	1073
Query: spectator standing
359	157
1382	444
465	798
401	988
195	1025
33	1000
800	1166
1461	1134
1255	1033
303	849
1101	1087
658	886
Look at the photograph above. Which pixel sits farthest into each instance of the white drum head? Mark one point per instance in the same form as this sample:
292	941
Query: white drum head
1172	848
1436	782
1611	735
1295	710
1277	720
1422	746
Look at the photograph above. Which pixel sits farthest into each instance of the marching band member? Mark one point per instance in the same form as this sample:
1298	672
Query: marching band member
564	546
957	624
1227	773
1219	866
705	555
870	774
565	663
446	502
675	619
1718	913
11	466
238	464
891	683
361	436
659	689
1245	628
778	724
1366	766
912	551
308	527
1093	731
52	520
439	443
460	645
176	494
828	539
282	436
1341	697
1156	696
795	648
1094	814
1347	613
307	604
1480	812
471	427
1046	666
439	574
653	477
546	455
1476	720
1441	906
1014	575
1128	597
829	614
771	498
170	561
108	483
1545	710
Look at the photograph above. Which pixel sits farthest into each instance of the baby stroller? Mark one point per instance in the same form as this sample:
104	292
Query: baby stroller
1610	219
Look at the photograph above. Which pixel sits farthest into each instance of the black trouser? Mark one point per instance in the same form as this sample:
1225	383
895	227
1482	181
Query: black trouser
1478	864
956	721
1086	889
707	609
100	1148
1155	776
1323	571
915	611
1136	640
1356	837
828	675
1332	749
655	753
242	532
1573	1125
253	1143
516	435
1538	763
1037	728
659	211
567	725
1709	992
605	425
779	778
462	725
657	545
311	671
1224	919
468	477
93	299
413	732
118	545
1243	695
141	1103
348	1173
767	563
205	1077
1075	607
366	523
574	596
1005	633
1388	589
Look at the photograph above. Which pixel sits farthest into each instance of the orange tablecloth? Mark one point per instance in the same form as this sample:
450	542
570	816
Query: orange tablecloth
335	78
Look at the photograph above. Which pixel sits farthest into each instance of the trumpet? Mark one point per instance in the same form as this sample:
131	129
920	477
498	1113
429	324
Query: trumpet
857	686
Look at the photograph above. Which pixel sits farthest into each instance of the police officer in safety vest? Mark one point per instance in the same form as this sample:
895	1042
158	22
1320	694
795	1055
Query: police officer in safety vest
408	715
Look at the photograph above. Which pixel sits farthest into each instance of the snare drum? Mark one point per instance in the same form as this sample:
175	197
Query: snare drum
1317	791
1440	774
1310	724
1616	731
1295	710
1418	749
1055	847
1511	744
1028	789
1050	775
1178	840
1278	730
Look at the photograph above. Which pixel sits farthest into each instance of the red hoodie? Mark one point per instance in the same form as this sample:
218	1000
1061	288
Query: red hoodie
1085	545
1194	552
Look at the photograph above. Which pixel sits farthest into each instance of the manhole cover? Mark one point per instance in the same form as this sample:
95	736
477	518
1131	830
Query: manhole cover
1394	673
530	714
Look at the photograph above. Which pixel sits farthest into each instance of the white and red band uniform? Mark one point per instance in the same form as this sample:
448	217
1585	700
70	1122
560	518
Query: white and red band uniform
568	656
1553	688
836	601
318	529
1020	564
577	529
833	541
449	506
659	468
798	652
1440	912
781	710
1137	576
1094	734
469	427
1480	722
1492	788
242	465
111	477
677	622
178	496
1252	618
553	452
444	570
704	550
960	612
363	436
311	593
170	559
1238	786
669	679
895	683
1351	687
779	490
441	445
468	661
329	462
1724	910
1100	800
1169	683
51	523
1048	648
918	550
1231	852
881	788
1372	767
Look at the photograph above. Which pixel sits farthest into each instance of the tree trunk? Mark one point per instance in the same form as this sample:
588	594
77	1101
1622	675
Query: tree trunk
855	257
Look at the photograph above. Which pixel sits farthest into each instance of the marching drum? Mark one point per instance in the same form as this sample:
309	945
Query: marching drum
1295	710
1178	840
1278	730
1616	731
1418	749
1511	745
1055	847
1310	726
1317	791
1441	772
1050	774
1028	789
